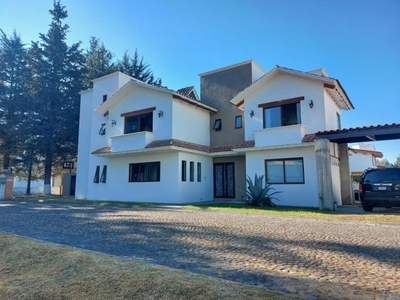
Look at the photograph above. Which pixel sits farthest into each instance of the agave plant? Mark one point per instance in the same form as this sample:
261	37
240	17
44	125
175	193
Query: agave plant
258	194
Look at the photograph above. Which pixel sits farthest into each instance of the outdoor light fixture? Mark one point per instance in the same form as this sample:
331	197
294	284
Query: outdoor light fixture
160	113
311	104
113	123
251	113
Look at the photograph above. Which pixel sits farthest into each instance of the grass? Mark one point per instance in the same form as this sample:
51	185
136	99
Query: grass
389	216
31	269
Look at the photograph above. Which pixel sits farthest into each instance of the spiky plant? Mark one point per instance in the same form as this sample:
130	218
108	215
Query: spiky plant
258	193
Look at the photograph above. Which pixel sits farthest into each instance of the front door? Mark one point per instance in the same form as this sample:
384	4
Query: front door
224	180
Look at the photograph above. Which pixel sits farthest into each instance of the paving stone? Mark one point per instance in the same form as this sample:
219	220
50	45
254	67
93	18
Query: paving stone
316	259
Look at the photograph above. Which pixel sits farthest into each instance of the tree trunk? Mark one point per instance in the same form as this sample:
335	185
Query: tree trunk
47	170
28	186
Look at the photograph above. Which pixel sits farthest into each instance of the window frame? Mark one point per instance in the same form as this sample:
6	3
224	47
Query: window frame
236	122
96	175
103	128
138	114
191	171
144	165
199	172
103	176
183	170
284	160
217	125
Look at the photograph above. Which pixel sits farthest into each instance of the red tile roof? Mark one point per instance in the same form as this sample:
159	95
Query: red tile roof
363	151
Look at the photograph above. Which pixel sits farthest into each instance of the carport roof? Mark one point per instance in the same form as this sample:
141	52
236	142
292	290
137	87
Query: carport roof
358	134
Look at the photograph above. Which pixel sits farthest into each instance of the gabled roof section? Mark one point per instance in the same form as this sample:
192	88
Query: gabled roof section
131	85
190	92
332	85
250	61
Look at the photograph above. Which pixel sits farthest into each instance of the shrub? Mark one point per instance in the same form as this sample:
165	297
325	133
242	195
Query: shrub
258	193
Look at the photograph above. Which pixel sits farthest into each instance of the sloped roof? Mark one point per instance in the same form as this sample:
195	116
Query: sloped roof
157	144
332	85
134	83
358	134
363	151
189	91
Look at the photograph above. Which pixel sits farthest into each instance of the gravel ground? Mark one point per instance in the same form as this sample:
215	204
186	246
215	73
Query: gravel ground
315	259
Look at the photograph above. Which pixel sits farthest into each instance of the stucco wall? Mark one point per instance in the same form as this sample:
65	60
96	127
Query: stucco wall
291	194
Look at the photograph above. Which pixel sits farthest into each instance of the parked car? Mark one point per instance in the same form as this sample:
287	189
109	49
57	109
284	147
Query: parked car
380	188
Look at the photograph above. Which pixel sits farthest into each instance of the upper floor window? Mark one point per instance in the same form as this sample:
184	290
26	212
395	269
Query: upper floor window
338	121
282	113
102	130
238	122
137	121
217	125
104	98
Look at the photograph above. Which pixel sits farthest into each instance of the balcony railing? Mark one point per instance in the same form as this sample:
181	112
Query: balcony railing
276	136
132	141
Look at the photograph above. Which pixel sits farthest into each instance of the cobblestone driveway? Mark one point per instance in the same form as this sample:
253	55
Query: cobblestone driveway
316	259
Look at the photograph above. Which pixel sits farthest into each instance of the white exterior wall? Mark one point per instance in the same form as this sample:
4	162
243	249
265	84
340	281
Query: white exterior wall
195	191
190	124
286	87
255	163
170	189
331	111
360	161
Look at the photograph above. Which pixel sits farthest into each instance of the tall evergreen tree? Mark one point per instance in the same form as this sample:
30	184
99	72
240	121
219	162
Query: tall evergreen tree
57	79
137	68
98	61
13	94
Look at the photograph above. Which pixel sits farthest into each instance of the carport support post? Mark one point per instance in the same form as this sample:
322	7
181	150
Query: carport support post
345	178
324	174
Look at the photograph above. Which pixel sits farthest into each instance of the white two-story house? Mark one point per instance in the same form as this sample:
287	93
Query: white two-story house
143	143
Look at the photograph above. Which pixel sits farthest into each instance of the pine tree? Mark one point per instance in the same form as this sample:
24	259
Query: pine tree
57	79
137	68
13	94
98	61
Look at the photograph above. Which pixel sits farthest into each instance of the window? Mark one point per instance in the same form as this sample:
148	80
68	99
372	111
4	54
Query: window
96	175
238	122
191	171
144	172
289	170
217	125
183	173
143	122
103	176
199	172
284	115
102	130
104	98
338	121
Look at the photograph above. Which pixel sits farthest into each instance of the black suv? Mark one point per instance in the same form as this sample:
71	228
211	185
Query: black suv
380	188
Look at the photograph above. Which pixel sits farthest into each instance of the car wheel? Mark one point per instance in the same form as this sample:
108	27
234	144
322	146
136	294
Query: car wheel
367	207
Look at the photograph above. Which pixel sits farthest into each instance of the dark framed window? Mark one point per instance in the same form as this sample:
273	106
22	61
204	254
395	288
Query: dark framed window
144	172
103	177
284	115
183	170
138	123
217	125
199	172
96	175
191	171
104	98
238	122
102	130
288	171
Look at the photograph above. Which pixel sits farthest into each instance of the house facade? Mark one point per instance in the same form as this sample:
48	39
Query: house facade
142	143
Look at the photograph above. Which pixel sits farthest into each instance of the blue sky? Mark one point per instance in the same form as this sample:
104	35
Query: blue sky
357	41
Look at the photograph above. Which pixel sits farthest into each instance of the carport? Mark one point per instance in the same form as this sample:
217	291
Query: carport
325	160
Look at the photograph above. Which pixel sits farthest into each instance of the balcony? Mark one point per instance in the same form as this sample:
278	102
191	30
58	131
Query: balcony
132	141
279	136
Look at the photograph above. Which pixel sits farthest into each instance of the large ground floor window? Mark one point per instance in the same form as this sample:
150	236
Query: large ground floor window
288	170
144	172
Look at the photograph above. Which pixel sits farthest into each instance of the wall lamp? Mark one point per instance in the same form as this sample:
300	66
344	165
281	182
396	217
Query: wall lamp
113	123
311	105
160	113
251	113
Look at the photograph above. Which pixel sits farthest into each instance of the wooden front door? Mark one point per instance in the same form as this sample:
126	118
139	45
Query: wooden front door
224	180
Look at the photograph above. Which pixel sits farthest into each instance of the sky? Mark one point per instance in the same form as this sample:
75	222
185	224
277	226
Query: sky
358	41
